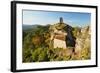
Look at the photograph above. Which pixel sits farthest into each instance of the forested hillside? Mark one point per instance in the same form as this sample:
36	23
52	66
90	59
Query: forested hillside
37	46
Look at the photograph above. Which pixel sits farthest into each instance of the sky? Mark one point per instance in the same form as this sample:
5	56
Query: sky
31	17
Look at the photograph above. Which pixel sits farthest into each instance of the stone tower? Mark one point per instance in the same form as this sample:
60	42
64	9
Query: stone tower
61	20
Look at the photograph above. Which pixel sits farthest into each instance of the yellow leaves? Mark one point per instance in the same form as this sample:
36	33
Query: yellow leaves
37	40
85	53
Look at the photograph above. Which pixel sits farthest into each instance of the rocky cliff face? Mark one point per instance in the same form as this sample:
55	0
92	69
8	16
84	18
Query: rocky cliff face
77	38
83	43
63	28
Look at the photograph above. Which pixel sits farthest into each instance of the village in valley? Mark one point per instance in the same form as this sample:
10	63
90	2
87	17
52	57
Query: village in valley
57	42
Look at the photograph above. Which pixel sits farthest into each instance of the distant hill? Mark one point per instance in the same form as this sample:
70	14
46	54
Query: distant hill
26	27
